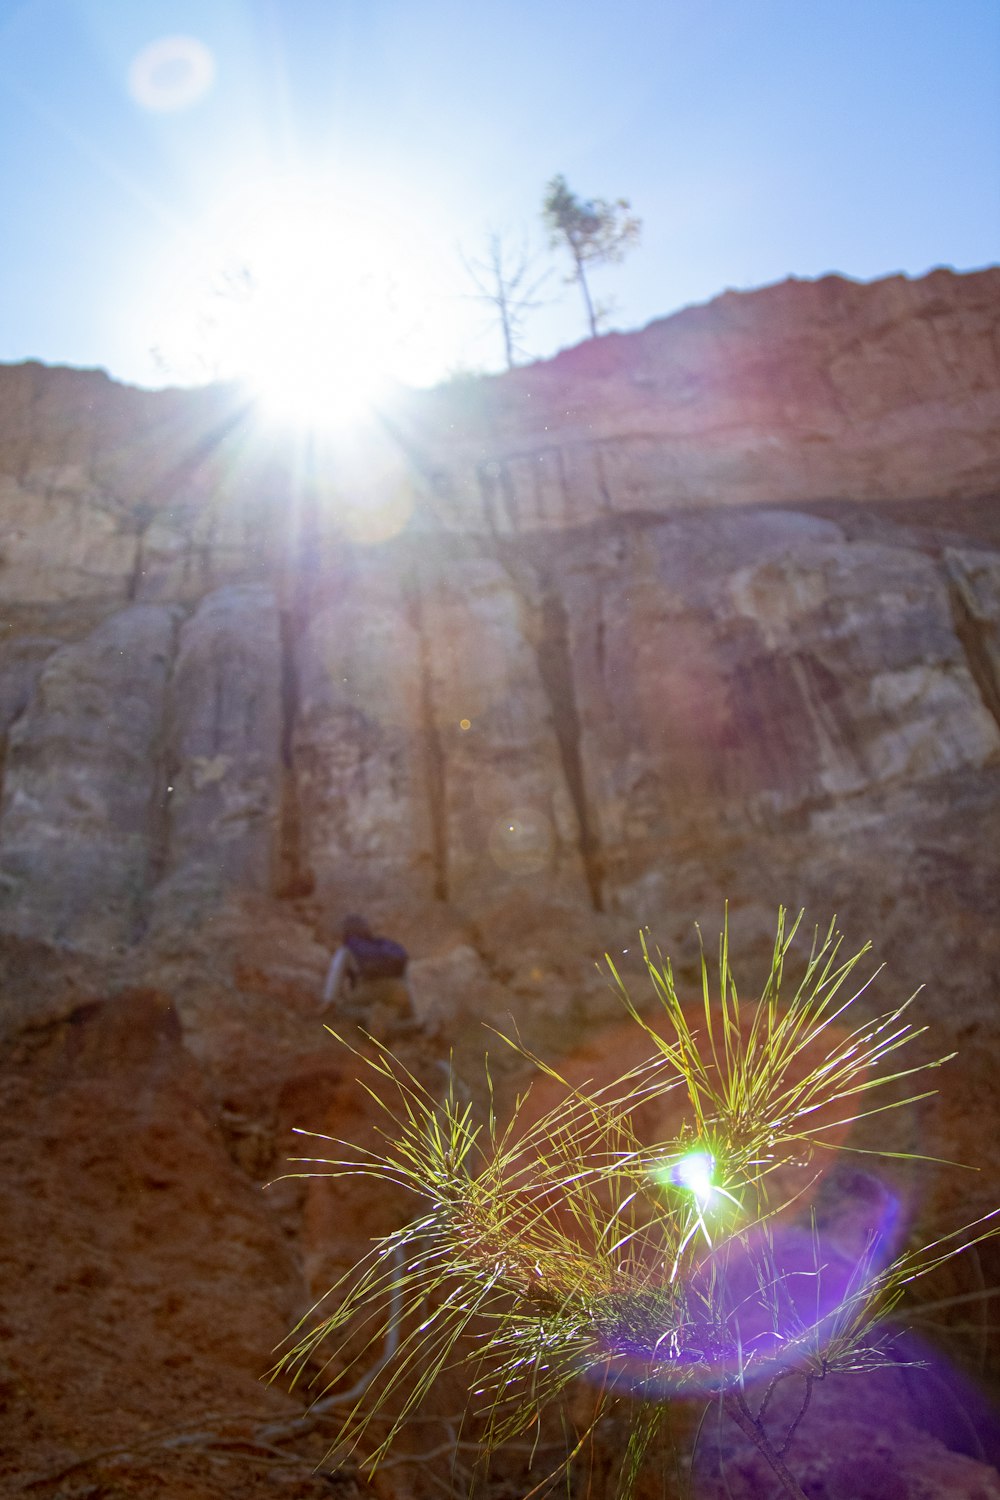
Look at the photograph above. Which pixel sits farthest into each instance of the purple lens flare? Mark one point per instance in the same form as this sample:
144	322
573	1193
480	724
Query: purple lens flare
764	1298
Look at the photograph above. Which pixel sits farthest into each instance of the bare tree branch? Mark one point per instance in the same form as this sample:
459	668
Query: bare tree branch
504	279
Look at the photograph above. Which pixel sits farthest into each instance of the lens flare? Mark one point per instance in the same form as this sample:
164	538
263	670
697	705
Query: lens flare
315	296
171	73
694	1172
522	841
768	1299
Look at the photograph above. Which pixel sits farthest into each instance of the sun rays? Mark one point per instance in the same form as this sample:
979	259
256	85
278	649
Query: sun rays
310	295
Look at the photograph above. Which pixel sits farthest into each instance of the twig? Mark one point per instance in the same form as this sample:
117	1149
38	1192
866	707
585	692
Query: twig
809	1378
737	1408
182	1437
772	1386
389	1347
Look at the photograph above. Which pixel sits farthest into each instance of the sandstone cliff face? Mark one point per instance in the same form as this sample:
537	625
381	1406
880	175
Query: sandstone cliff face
802	391
540	692
709	611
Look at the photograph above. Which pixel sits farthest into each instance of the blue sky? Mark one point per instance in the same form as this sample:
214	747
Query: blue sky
756	139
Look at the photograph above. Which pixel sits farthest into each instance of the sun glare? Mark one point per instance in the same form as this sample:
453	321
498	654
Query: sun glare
313	299
694	1172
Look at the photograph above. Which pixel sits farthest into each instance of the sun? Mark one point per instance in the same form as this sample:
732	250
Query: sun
317	300
316	334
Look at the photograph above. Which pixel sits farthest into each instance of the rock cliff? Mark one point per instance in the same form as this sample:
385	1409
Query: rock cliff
707	611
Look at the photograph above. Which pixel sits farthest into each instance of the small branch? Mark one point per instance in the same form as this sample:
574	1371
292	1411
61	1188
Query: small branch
197	1437
341	1398
810	1377
772	1386
737	1408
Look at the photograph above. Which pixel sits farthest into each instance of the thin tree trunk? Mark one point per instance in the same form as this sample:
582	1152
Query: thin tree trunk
585	289
508	339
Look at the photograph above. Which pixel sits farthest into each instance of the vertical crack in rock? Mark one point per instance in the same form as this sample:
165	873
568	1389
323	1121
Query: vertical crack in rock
142	518
497	490
555	667
602	480
600	648
165	762
546	629
289	687
508	490
85	824
487	478
135	576
435	767
292	878
305	556
564	489
972	637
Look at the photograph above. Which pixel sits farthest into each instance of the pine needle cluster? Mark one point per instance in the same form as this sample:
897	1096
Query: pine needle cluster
551	1248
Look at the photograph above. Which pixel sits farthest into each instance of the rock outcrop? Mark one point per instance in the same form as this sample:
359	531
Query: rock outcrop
802	391
710	611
